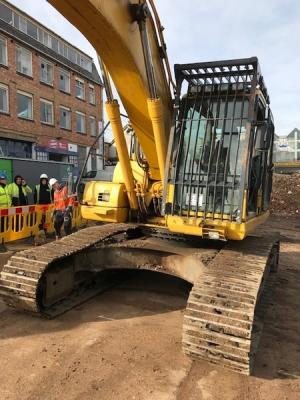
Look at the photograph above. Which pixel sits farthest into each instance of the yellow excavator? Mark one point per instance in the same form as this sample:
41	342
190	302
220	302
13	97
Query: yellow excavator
184	200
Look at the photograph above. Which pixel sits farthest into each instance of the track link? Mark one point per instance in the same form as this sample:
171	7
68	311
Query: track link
221	324
22	276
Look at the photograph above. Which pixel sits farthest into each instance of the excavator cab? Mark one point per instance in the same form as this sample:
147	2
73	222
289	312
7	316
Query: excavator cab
221	148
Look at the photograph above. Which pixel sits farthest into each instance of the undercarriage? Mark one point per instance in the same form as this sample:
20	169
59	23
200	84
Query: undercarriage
220	321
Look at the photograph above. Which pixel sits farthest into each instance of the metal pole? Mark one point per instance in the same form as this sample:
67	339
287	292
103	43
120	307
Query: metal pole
87	156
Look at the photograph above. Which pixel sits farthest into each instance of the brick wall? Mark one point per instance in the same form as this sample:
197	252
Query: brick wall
35	128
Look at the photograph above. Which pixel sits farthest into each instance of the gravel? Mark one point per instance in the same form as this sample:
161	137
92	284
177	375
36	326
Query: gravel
286	194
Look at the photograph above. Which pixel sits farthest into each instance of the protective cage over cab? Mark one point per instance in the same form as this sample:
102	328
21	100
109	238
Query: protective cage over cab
220	176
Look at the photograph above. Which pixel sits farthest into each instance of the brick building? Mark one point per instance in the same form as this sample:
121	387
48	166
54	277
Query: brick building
51	104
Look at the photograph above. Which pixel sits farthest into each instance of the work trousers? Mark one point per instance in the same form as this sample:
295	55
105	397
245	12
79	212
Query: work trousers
62	218
42	224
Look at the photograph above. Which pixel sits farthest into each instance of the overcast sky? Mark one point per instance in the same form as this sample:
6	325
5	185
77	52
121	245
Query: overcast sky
202	30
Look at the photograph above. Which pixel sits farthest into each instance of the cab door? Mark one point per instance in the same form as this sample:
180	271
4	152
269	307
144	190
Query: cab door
260	161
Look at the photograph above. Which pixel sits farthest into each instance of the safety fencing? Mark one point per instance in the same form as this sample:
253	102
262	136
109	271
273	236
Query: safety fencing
26	221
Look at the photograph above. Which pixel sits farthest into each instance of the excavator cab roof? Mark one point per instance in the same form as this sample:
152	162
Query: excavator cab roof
243	75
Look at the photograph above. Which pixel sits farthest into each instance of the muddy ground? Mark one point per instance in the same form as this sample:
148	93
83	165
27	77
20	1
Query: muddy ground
126	344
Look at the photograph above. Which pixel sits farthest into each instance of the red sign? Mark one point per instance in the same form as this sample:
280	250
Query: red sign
54	144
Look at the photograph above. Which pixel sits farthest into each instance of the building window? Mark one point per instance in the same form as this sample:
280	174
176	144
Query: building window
80	122
57	157
79	89
5	13
46	39
54	44
3	51
64	81
46	72
65	117
15	148
73	160
92	96
93	126
24	105
28	27
42	156
23	24
31	29
46	111
24	61
3	98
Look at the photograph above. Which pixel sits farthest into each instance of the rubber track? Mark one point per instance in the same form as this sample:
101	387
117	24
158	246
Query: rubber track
21	276
220	324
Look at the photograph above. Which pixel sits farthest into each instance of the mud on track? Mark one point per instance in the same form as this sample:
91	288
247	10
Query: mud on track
126	344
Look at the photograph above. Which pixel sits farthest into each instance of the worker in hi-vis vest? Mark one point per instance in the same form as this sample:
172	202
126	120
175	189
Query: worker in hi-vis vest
19	191
42	192
5	199
63	208
43	195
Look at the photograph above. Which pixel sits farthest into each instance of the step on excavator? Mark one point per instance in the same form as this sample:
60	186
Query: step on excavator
185	200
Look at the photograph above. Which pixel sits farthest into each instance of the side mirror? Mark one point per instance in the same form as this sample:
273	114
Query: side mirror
262	139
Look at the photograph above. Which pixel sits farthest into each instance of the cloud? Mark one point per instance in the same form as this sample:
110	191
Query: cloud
217	29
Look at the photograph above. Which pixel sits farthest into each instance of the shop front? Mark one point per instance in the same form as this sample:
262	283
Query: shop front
56	150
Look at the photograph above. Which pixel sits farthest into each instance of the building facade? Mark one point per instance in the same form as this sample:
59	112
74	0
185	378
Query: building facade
51	106
287	148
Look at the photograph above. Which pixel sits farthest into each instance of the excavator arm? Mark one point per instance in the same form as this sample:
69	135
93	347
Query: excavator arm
129	41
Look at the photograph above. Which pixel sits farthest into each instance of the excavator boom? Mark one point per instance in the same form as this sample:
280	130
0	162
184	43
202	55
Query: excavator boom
112	28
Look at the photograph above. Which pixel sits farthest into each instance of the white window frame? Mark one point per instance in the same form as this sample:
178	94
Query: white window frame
42	100
42	155
45	37
22	24
5	87
94	100
73	159
28	52
64	71
68	110
92	118
45	62
83	83
27	95
27	29
84	116
2	38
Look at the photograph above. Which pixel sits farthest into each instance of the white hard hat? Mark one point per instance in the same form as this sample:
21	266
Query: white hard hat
52	181
44	176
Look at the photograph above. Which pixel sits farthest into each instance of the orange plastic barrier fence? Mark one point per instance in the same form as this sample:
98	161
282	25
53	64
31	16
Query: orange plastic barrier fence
23	222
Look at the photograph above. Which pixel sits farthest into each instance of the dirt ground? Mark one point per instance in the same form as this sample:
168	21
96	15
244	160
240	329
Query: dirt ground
285	198
126	344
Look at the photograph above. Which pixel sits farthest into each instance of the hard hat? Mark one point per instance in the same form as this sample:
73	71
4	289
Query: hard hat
52	181
44	176
3	175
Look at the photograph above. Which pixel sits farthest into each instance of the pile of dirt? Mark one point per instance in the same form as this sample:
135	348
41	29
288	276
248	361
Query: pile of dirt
286	194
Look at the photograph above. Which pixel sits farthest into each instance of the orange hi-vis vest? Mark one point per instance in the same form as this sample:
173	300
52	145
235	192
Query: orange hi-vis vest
61	199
